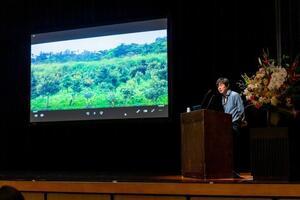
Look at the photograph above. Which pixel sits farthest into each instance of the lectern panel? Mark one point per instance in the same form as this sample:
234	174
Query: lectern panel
206	139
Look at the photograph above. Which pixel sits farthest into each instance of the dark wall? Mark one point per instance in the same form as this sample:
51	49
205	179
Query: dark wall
290	27
208	39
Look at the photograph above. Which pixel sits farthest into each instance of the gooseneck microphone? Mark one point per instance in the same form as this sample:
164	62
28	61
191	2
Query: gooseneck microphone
210	100
205	97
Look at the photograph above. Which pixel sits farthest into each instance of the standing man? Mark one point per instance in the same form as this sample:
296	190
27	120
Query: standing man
233	105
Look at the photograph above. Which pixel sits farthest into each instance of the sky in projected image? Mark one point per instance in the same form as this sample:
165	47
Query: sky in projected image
97	43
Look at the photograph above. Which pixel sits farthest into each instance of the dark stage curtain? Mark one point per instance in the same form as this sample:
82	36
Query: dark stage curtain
208	39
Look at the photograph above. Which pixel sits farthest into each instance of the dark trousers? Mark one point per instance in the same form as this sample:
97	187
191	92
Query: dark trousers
236	131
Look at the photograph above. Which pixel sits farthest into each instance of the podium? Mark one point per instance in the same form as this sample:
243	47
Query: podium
206	144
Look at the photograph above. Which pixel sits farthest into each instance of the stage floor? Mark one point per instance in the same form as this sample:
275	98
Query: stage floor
115	176
77	176
116	184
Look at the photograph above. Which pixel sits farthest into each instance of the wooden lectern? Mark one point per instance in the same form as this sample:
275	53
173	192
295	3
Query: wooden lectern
206	144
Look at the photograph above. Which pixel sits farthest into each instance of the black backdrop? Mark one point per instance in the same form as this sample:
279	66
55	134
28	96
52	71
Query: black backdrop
208	39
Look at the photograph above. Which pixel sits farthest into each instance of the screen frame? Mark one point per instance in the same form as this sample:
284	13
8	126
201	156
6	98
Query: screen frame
88	28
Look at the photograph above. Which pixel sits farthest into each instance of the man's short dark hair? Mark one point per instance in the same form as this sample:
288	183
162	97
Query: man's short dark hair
223	80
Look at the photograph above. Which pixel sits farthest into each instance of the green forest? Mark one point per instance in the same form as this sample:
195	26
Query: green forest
128	75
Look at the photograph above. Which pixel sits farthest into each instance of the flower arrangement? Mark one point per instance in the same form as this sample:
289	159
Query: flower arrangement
273	84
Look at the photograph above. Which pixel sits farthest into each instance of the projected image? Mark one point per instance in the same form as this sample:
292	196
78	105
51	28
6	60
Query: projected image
100	72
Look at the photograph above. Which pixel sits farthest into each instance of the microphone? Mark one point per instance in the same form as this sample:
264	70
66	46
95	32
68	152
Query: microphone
210	100
205	97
